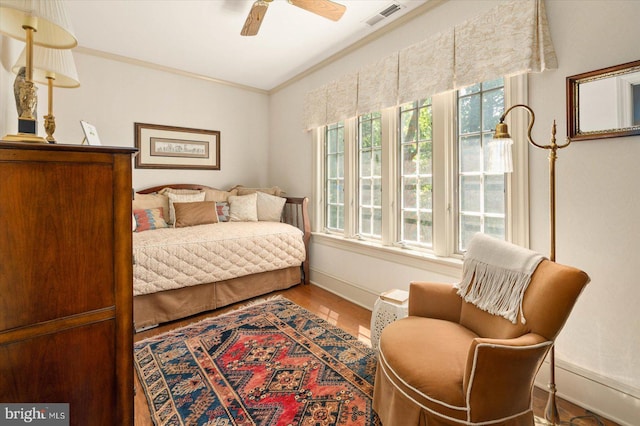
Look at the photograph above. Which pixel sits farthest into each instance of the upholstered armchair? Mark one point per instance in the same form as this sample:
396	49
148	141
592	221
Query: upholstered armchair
449	362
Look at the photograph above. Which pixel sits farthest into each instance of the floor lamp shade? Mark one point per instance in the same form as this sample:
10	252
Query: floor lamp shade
47	17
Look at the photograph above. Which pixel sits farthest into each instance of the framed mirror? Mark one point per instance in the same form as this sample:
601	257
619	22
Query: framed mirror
604	103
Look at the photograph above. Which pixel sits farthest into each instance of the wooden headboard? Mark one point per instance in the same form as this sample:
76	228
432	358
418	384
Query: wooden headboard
295	213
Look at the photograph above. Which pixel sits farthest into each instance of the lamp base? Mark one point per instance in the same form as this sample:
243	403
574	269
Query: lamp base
27	125
551	410
24	137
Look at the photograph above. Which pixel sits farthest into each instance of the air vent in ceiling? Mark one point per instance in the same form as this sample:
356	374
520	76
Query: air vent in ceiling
384	13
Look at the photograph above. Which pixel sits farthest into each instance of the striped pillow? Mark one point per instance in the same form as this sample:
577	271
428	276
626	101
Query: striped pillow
147	219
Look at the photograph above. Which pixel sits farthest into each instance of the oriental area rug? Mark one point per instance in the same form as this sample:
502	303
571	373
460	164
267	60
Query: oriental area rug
271	363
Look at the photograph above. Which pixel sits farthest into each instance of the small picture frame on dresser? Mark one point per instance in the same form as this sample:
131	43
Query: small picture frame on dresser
90	134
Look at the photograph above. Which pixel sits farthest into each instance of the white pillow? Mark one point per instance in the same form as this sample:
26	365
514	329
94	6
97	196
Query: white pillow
270	207
181	198
243	208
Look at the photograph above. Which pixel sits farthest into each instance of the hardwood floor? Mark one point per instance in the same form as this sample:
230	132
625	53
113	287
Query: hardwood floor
356	320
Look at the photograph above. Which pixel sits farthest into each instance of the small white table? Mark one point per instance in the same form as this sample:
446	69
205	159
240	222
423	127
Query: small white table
385	312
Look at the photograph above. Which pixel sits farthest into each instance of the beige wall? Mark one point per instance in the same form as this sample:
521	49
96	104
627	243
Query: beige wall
113	95
598	205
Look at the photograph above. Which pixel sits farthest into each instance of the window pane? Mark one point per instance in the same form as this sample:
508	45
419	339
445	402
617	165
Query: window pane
494	226
426	228
365	192
410	193
470	89
365	163
410	226
425	123
424	157
377	192
377	162
365	221
469	225
470	193
492	108
470	154
332	192
469	113
331	143
409	164
497	83
425	193
377	221
494	194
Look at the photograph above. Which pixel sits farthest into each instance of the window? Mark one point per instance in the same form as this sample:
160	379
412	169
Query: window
416	179
369	175
415	176
481	196
334	172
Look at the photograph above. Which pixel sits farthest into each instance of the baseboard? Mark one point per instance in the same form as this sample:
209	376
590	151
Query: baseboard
601	395
353	293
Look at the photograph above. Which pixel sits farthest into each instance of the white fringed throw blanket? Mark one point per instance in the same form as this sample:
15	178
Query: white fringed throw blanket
496	274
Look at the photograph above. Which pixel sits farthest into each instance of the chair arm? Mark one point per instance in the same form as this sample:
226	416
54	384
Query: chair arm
500	373
434	300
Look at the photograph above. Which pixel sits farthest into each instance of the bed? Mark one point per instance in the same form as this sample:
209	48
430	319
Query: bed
183	271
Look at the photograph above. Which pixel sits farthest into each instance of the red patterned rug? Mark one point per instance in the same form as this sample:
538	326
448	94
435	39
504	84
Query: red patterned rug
272	363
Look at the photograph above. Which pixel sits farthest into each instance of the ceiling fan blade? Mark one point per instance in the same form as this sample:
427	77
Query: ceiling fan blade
255	17
325	8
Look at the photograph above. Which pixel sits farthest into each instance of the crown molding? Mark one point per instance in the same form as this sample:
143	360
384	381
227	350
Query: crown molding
140	63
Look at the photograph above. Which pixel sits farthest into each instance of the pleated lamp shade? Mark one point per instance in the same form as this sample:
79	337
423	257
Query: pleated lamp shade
48	17
56	64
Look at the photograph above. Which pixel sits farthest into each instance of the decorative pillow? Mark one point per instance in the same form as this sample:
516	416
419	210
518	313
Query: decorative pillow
242	190
147	219
150	201
222	208
181	198
134	225
218	195
270	207
198	213
243	208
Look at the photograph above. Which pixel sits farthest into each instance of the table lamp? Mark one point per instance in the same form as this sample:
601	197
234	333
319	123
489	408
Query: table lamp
53	67
42	23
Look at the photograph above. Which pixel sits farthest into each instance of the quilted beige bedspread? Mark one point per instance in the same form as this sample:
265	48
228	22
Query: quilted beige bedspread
171	258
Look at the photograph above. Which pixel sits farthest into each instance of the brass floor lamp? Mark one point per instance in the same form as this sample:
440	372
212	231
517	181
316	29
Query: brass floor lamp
502	134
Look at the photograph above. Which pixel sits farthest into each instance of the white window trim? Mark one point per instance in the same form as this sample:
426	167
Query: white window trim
443	257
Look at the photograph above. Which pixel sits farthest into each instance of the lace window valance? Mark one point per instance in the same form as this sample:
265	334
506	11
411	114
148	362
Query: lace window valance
512	38
378	85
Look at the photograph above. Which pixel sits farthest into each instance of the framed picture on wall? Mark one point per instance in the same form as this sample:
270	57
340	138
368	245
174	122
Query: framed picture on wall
170	147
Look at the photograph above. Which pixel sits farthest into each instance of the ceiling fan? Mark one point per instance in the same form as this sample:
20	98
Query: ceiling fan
325	8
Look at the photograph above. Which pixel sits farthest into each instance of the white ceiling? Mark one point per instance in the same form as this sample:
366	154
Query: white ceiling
203	36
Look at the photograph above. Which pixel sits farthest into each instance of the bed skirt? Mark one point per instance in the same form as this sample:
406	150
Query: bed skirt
164	306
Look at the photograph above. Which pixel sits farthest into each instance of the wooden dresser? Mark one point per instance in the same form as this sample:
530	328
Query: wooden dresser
66	331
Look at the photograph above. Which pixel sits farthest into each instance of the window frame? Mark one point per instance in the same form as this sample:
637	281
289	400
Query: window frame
443	256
